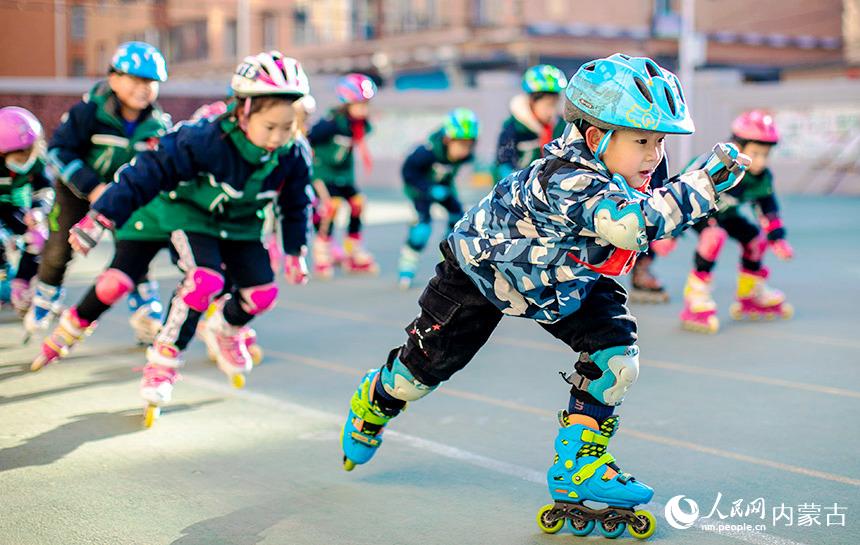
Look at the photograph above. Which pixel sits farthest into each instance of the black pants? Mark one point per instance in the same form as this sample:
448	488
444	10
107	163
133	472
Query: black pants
132	257
68	210
12	218
324	226
456	320
247	264
738	228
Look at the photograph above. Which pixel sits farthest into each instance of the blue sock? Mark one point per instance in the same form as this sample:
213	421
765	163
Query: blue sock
597	411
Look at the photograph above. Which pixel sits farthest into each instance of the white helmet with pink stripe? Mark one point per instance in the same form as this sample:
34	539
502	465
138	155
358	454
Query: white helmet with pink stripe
270	74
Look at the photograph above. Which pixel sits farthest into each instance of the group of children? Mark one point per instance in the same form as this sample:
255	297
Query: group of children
228	194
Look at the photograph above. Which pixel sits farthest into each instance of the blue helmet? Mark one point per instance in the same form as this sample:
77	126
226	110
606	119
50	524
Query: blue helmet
139	59
623	92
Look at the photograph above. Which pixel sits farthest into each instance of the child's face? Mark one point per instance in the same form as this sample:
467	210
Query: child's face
758	156
630	153
458	150
133	92
17	157
358	110
545	108
272	127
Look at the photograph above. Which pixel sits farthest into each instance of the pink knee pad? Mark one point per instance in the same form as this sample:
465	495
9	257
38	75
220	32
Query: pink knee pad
258	299
112	285
711	241
754	249
200	286
356	205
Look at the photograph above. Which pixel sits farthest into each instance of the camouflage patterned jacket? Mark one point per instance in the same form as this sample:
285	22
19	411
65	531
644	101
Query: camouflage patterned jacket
531	245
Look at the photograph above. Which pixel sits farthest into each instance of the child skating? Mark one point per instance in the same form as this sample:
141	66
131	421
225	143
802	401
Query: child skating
212	180
755	133
544	245
334	138
26	197
534	119
429	173
116	120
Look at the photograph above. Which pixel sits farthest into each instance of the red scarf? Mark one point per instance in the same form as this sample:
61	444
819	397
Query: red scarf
358	126
545	136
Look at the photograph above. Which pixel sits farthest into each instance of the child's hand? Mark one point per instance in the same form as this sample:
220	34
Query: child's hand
84	235
782	249
726	166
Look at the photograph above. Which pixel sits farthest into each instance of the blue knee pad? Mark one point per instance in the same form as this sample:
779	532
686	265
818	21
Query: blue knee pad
419	234
619	367
399	382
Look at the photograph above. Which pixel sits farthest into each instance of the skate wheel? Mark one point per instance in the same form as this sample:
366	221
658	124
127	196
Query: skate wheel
581	527
348	464
256	353
150	415
544	522
735	312
238	380
211	355
612	530
787	311
647	524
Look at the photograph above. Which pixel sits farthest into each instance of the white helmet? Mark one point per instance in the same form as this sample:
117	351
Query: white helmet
270	74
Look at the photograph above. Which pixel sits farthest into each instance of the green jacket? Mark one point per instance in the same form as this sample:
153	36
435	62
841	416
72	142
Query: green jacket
331	139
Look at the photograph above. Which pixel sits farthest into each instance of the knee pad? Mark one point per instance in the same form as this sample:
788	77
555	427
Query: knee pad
619	369
356	205
112	285
419	234
711	241
754	249
201	285
399	382
258	299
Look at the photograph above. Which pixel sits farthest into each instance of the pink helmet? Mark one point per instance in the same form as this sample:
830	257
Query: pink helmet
354	88
19	129
755	125
270	74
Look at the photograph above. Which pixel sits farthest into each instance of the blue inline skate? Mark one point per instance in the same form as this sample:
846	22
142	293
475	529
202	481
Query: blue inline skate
583	471
362	432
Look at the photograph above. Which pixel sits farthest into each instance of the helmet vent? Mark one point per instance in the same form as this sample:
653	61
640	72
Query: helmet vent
623	56
640	84
670	100
589	67
652	69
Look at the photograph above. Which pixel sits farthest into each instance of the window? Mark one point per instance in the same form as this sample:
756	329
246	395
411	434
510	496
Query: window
303	32
79	68
230	38
270	31
79	22
188	41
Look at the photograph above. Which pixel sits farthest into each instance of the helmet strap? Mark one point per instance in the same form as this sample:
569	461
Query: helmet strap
601	147
246	113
